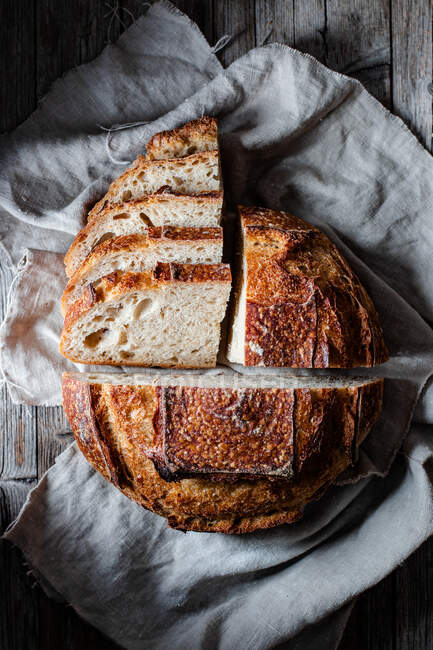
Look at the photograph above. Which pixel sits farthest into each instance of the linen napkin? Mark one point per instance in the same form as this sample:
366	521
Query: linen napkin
294	136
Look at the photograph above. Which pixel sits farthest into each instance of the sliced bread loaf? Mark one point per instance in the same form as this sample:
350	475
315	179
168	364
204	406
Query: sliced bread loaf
136	216
222	453
190	175
168	317
298	303
192	137
142	252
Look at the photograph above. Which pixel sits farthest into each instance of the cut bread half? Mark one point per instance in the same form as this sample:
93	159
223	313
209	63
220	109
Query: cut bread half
136	216
190	175
143	252
193	137
167	317
222	453
298	303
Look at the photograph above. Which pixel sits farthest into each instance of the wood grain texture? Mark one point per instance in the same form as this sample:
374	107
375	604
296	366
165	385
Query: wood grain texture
41	40
17	63
358	43
310	28
412	65
274	23
237	20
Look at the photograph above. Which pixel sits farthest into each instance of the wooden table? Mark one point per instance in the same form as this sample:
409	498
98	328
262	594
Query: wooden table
387	45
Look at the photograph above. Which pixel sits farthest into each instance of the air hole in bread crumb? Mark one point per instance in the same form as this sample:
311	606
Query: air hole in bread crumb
125	355
122	339
142	308
126	195
122	215
145	219
108	235
93	339
177	180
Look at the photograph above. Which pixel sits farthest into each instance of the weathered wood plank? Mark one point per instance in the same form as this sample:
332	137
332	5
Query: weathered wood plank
237	20
50	423
274	23
413	603
18	613
358	43
17	63
412	65
310	29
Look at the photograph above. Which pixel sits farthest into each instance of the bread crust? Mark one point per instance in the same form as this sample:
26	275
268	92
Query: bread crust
305	308
135	243
143	164
194	136
114	428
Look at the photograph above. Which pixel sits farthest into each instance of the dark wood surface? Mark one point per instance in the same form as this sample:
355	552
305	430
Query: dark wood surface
387	45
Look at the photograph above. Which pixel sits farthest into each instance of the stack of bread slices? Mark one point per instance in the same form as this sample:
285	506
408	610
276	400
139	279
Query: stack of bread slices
146	283
147	287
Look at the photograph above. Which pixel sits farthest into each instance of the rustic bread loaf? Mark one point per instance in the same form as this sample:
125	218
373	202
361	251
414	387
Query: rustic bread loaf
162	209
298	303
143	252
261	449
190	175
193	137
168	317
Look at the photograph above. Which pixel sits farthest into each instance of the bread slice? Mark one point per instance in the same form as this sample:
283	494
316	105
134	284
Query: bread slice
190	175
193	137
136	216
298	303
182	445
143	252
168	317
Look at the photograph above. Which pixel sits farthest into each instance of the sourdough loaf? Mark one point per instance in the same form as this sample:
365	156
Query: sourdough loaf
161	209
169	317
220	453
298	303
143	252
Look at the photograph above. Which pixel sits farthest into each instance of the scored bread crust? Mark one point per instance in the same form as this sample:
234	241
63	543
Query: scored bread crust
120	284
169	175
192	137
114	427
110	221
304	305
141	246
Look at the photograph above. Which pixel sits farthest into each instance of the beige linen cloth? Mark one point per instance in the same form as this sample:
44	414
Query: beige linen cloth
294	136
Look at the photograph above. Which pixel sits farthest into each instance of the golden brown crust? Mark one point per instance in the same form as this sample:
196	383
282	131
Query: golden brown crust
114	428
223	434
192	137
305	307
142	164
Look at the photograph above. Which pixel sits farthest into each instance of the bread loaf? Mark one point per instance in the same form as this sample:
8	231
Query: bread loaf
143	252
298	303
221	453
136	216
168	317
